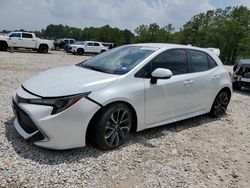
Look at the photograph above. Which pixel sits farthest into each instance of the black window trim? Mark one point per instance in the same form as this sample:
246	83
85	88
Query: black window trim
28	34
207	54
188	63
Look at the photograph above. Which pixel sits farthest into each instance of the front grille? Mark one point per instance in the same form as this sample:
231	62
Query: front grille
24	120
247	74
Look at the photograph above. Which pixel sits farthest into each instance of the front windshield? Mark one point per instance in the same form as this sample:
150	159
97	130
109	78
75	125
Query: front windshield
118	60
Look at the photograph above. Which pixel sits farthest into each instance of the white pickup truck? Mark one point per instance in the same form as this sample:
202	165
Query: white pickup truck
24	40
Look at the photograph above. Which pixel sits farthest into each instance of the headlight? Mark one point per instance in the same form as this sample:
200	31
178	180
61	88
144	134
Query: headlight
61	103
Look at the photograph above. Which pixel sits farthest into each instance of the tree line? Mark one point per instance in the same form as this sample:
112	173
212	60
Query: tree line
227	29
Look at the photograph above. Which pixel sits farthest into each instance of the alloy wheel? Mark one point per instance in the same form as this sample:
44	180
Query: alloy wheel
221	103
117	127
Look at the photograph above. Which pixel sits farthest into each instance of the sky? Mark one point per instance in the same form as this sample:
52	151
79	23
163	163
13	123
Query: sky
124	14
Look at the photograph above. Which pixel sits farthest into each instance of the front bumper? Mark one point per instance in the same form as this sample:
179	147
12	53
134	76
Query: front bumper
241	81
64	130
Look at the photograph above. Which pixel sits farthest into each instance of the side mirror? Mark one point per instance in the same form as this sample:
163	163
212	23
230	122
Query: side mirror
160	73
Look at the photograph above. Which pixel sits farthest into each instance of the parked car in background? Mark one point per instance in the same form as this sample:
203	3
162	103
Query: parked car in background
68	47
88	47
241	74
109	45
128	88
24	40
60	43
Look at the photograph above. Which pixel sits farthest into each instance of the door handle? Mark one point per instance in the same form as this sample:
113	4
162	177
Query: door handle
215	77
188	82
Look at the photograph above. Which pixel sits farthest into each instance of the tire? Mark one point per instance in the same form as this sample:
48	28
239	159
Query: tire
220	104
111	130
3	46
43	48
80	51
102	51
236	86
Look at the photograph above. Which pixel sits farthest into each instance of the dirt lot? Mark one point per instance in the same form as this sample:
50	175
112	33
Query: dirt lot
199	152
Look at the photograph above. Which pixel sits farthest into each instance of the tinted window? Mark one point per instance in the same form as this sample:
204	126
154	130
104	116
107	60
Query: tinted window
199	61
26	35
89	44
15	35
66	41
211	62
174	60
71	41
96	44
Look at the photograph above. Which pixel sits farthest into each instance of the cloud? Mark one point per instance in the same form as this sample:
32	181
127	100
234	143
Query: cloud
34	15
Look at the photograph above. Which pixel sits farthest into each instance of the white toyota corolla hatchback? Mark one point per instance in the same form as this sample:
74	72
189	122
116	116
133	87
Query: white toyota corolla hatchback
129	88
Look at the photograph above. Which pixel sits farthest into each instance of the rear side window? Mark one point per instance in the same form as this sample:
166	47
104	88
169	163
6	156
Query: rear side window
96	44
27	35
174	60
211	62
199	61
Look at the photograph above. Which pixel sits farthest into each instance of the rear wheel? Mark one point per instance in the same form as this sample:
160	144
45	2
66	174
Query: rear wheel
114	126
220	104
80	51
43	48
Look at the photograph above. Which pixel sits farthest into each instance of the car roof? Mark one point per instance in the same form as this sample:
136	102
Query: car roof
168	45
165	46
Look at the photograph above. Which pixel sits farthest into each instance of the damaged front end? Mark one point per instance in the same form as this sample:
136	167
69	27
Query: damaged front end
241	76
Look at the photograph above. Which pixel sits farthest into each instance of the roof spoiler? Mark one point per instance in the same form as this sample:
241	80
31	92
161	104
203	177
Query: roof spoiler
215	50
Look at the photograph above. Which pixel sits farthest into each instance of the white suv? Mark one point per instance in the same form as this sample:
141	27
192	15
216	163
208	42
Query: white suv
87	47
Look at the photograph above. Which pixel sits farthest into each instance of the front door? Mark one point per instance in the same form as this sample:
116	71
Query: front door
170	98
15	39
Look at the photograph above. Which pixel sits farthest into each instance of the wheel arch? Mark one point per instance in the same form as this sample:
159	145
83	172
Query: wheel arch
43	44
95	117
4	43
227	89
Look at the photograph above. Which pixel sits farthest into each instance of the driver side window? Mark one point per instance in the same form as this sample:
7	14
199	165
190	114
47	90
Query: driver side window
174	60
15	35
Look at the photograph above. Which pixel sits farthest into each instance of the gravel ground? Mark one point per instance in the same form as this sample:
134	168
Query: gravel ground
199	152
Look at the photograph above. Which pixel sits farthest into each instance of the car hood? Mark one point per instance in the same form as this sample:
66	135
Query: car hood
4	37
68	80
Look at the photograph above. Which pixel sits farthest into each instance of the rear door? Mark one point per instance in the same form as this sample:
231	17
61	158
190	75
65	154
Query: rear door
28	40
97	47
206	79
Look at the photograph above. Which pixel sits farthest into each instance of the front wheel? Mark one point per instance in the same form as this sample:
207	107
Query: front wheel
80	51
114	126
220	104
